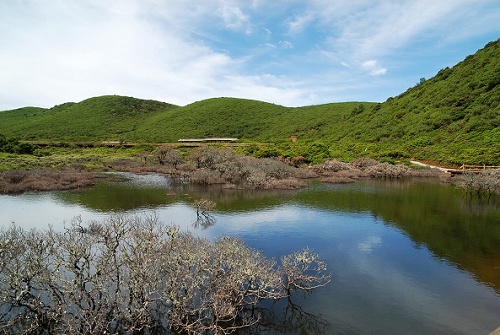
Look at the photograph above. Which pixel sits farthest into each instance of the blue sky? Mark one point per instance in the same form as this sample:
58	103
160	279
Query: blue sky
292	53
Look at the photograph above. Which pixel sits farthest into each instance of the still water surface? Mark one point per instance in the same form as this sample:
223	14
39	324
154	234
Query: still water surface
407	257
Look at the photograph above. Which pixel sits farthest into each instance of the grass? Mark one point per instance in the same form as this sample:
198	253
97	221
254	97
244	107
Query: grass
452	118
95	158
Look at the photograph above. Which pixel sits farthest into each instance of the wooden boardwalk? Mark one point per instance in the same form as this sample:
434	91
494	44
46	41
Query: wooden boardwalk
460	170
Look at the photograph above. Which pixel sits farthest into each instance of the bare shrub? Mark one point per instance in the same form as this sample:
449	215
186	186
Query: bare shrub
483	183
257	180
209	165
305	173
207	156
386	170
168	155
275	169
206	177
130	275
332	166
43	180
225	166
364	162
234	170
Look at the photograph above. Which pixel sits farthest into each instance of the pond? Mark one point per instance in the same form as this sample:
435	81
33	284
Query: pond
406	256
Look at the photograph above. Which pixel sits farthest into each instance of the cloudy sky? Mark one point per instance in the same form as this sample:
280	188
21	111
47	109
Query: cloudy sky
292	53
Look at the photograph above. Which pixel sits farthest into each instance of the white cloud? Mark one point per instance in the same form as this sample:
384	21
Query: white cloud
299	23
365	29
234	18
181	51
372	67
286	44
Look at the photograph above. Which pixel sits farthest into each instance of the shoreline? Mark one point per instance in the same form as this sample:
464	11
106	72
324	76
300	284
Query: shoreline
74	177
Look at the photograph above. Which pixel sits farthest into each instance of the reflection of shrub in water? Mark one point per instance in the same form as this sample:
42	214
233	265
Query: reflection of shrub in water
203	217
139	276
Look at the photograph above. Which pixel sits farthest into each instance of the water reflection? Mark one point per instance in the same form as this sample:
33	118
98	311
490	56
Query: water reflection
463	230
410	257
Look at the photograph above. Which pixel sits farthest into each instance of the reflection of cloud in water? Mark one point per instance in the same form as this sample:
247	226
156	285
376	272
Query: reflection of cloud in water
39	211
369	244
412	283
274	215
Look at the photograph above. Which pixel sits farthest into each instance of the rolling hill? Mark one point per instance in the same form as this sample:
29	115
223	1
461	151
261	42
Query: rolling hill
453	117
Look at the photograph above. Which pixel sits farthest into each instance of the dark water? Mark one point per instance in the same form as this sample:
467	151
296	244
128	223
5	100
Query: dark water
407	257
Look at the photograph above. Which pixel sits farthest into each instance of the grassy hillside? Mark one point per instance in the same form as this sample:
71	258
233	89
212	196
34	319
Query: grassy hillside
453	117
244	119
95	119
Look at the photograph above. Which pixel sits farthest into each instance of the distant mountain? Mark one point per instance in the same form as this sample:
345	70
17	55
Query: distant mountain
453	117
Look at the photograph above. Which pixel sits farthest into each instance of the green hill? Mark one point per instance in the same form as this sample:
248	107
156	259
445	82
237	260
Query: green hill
94	119
244	119
453	117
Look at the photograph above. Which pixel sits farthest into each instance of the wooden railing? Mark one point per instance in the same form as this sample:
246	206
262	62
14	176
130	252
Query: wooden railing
466	167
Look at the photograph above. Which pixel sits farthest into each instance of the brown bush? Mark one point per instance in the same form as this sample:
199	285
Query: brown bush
385	170
483	183
45	180
206	177
332	166
364	162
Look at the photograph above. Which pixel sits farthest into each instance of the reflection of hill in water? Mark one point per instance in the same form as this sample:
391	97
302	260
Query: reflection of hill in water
121	194
125	191
463	230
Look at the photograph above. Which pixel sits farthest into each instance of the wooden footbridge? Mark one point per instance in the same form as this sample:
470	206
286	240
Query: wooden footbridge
460	170
472	168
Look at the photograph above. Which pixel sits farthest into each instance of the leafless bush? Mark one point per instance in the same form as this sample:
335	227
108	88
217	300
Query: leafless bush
168	155
275	169
42	180
225	166
209	165
257	180
332	166
483	183
206	177
208	156
386	170
363	162
339	172
130	275
304	271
